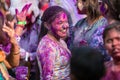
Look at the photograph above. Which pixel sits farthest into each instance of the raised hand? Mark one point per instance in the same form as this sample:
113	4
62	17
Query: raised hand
10	31
21	16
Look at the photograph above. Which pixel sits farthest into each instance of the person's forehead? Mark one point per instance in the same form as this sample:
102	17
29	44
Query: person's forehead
61	15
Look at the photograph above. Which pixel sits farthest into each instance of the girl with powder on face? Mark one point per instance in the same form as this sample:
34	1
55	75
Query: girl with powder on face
52	54
110	9
111	38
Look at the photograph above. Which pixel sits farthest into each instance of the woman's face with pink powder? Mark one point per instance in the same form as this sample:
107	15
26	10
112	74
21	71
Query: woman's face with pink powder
59	27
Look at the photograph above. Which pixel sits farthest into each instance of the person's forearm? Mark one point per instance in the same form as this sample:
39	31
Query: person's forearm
14	56
19	30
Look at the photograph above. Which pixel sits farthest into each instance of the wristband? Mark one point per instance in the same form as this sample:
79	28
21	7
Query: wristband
21	22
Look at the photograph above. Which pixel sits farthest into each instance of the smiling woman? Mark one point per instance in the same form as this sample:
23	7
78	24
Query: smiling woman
52	54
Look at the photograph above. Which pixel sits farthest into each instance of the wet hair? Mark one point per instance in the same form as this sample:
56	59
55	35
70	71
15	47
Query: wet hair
113	8
87	63
92	8
49	16
115	25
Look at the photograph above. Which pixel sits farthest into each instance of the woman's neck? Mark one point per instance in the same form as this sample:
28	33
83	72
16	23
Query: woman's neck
53	37
116	61
116	67
92	21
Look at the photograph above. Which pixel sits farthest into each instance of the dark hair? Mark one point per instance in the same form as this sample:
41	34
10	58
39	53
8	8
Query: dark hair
48	16
114	8
92	8
115	25
3	5
87	63
9	17
1	19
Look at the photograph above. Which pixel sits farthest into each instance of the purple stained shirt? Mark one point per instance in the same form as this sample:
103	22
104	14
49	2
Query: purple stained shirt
110	74
83	35
54	59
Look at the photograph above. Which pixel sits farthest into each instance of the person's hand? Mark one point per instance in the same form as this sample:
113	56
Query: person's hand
21	16
10	31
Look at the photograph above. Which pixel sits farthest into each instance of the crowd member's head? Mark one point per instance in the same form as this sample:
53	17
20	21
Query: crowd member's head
55	22
89	7
111	9
111	37
86	64
43	4
80	7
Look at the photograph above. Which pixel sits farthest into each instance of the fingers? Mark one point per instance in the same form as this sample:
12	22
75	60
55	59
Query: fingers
10	24
21	16
16	11
26	8
8	30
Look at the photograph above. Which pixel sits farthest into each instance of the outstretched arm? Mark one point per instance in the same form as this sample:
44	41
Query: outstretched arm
12	60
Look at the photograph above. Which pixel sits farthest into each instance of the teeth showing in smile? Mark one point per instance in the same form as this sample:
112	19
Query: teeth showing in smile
64	31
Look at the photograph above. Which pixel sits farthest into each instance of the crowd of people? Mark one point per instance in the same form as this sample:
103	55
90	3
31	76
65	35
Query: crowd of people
59	40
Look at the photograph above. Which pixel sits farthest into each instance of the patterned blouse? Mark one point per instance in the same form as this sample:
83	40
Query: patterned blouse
83	34
53	59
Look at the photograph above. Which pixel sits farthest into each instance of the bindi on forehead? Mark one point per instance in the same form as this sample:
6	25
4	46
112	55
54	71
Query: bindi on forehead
62	15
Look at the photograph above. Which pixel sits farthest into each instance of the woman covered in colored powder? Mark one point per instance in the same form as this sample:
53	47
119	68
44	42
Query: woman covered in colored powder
52	53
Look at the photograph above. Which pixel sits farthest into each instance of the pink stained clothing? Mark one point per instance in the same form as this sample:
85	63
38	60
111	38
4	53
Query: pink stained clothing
110	74
54	59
